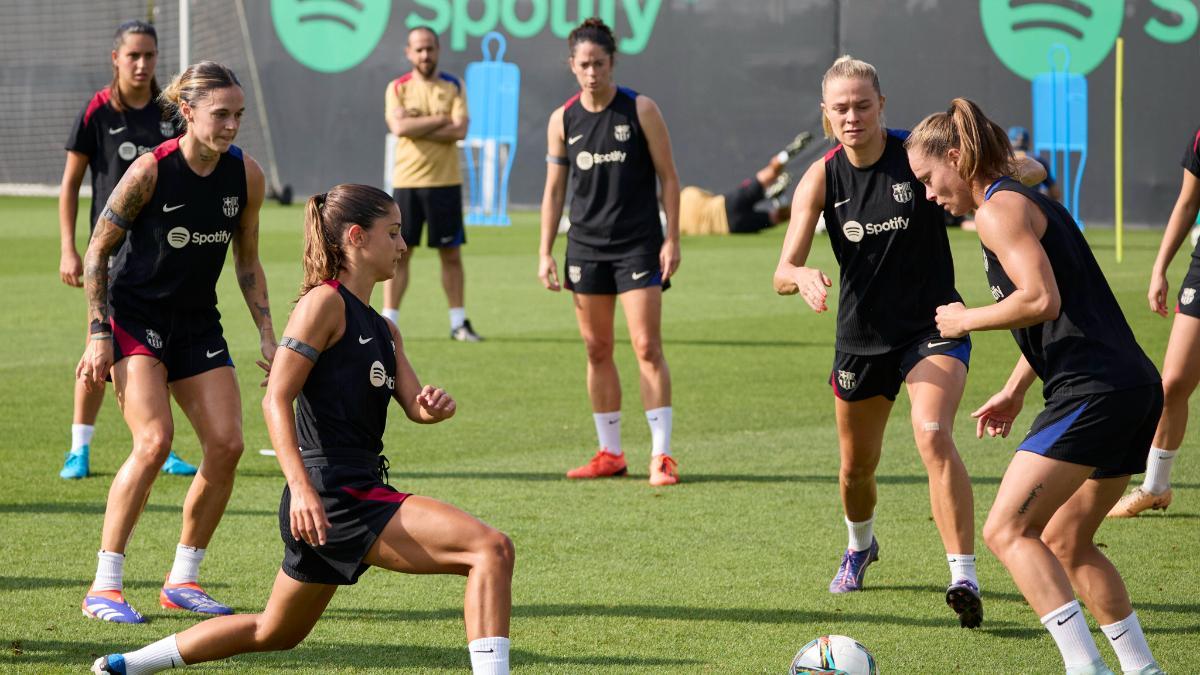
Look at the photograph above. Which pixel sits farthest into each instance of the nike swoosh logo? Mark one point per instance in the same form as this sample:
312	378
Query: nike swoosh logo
931	345
362	341
639	275
1068	618
114	132
837	204
571	141
483	651
1119	636
168	209
212	354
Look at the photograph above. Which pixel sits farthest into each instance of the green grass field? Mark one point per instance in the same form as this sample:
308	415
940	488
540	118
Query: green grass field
725	573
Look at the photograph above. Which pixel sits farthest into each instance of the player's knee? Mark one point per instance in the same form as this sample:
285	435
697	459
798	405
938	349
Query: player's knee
999	536
647	349
934	441
276	638
451	256
856	475
1177	388
223	454
497	550
151	446
599	350
1068	547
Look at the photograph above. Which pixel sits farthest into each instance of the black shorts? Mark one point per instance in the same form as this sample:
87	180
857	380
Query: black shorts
186	345
441	207
613	277
358	505
1110	431
856	377
743	218
1188	301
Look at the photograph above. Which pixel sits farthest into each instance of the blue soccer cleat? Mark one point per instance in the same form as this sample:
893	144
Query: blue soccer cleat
177	467
189	596
113	663
963	598
110	606
76	465
850	574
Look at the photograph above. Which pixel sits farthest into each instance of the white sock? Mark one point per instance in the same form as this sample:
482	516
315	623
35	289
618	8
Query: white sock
152	658
1158	470
962	566
81	435
110	572
392	315
608	429
659	420
1129	643
187	564
457	316
489	656
1069	628
861	534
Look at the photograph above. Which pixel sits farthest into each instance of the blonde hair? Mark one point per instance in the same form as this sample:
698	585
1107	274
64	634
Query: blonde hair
326	217
984	149
193	85
847	67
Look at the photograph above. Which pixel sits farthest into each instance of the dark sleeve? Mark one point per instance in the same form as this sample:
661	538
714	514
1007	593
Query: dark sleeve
1049	182
83	134
1191	157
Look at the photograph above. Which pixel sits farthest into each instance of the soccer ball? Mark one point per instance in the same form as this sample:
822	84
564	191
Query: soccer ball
834	654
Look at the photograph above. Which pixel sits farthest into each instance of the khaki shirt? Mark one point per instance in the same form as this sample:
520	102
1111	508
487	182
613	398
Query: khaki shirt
421	162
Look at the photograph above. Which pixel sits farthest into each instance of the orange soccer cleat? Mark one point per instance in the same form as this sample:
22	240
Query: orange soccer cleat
601	465
664	470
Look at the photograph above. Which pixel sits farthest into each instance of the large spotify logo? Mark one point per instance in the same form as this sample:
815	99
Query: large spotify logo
330	36
1023	32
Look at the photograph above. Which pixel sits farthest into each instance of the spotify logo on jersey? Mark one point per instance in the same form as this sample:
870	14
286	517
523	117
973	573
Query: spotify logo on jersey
378	375
853	231
178	237
1022	33
330	36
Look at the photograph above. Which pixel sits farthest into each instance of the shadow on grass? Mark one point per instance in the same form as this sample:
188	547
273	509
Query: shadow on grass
575	340
97	508
556	476
37	583
363	655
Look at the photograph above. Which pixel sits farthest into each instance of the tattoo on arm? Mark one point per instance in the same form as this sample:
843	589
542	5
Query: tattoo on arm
95	268
1028	500
247	281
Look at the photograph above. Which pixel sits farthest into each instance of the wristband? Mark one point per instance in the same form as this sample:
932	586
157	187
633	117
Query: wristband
98	326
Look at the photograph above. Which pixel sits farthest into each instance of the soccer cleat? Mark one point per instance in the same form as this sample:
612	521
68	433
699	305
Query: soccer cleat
792	149
465	333
1152	669
113	663
1139	500
1097	667
850	574
781	183
110	606
189	596
963	598
176	466
664	470
76	465
601	465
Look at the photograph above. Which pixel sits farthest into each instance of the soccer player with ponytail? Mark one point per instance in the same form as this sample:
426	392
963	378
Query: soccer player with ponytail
1103	396
177	210
339	366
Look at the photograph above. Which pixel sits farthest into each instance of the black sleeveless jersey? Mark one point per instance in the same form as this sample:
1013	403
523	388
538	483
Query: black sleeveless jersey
890	243
1089	348
1191	164
112	140
613	188
342	409
175	248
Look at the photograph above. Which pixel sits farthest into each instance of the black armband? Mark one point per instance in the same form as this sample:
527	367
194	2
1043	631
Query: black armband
307	351
116	218
98	326
561	161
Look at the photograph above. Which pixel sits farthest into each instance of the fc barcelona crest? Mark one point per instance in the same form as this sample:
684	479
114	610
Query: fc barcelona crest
230	207
167	128
846	379
622	132
1188	295
902	192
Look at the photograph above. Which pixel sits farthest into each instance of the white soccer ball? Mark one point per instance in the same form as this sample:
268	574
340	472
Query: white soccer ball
834	654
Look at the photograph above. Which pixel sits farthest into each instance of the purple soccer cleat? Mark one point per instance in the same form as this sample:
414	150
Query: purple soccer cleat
849	577
963	598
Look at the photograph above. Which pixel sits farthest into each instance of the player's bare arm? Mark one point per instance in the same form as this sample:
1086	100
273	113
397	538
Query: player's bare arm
658	140
423	404
70	266
251	278
404	124
791	274
1180	223
553	197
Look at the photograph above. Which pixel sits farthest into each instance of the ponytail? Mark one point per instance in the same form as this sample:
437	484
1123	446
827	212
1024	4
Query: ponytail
984	150
191	86
326	218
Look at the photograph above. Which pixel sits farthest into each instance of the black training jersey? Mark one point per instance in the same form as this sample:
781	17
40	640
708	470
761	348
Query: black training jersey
1191	156
614	195
890	243
176	247
1089	348
112	140
342	409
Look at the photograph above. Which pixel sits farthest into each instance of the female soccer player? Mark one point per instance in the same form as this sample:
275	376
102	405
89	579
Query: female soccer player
618	143
119	123
895	270
177	208
342	365
1181	366
1103	396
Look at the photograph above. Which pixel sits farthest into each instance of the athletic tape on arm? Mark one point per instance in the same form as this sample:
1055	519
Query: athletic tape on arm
561	161
116	218
307	351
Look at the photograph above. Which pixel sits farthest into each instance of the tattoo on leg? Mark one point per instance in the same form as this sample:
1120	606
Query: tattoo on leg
1028	500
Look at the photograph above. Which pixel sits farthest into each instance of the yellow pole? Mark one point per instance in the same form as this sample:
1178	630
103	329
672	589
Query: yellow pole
1118	221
